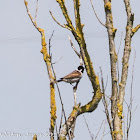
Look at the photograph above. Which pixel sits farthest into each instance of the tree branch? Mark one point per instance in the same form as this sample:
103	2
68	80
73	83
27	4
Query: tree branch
96	14
79	36
47	60
105	103
113	56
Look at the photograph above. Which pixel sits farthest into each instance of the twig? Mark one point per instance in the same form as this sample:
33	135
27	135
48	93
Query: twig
106	83
57	131
63	26
118	55
57	60
91	136
105	102
96	14
72	130
99	130
61	121
103	131
59	90
50	42
129	115
74	92
36	10
78	54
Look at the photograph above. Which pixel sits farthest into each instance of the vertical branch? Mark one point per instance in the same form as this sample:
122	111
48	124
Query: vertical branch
36	11
127	50
74	92
105	103
47	60
129	113
113	56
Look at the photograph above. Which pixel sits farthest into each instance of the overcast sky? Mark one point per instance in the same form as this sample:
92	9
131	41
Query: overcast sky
24	84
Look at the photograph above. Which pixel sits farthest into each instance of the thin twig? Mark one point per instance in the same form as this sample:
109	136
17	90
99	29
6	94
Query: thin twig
99	130
91	135
78	54
105	102
129	115
74	92
57	131
59	91
96	14
106	83
103	131
63	26
36	10
57	60
61	121
118	55
50	42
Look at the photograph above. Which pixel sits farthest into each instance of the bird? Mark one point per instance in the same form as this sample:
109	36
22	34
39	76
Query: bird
74	76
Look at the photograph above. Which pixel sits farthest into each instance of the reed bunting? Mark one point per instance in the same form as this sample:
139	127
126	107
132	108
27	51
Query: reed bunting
74	76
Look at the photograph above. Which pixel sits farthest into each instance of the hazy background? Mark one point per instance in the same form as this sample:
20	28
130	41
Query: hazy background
24	84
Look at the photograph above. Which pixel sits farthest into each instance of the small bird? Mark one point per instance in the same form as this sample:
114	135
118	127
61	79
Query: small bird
74	76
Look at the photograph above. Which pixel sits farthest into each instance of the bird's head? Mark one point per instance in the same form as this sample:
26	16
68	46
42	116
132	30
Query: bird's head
81	68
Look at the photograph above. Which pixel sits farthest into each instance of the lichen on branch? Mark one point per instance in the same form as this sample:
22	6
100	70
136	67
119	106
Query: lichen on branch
50	72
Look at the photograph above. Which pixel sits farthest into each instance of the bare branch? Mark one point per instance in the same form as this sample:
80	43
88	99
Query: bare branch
79	36
61	121
129	114
105	103
118	55
113	55
91	136
74	92
135	29
78	54
96	14
47	60
63	26
103	131
59	91
57	60
50	42
36	10
99	130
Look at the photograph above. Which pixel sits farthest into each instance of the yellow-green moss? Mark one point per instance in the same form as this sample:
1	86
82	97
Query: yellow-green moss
115	56
74	111
53	106
114	30
108	6
35	137
120	110
121	85
136	28
127	28
26	3
117	132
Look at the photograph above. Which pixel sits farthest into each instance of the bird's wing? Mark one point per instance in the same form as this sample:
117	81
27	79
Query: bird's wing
74	74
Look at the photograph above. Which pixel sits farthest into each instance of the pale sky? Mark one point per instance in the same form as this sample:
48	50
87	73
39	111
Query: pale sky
24	84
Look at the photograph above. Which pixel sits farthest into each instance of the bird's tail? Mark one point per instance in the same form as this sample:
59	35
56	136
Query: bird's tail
60	80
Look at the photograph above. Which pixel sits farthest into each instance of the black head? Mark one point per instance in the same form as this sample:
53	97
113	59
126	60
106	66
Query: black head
81	68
